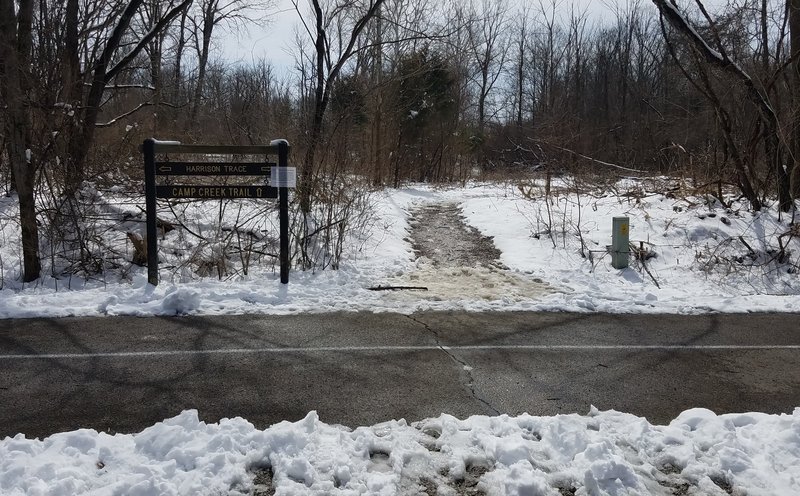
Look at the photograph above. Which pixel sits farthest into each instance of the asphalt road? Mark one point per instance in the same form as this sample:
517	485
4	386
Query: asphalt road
121	374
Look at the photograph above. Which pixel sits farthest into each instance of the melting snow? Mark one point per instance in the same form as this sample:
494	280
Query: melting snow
706	258
602	453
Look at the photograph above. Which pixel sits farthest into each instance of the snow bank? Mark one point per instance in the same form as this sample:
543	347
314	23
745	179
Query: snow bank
601	453
707	258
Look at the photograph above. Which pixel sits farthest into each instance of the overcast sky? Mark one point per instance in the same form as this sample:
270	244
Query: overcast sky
274	42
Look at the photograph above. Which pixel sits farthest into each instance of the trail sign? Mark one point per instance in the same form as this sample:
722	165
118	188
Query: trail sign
152	169
213	168
215	192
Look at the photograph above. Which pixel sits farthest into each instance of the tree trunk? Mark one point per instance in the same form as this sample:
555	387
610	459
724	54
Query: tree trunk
155	77
179	47
794	32
377	177
520	85
103	72
154	56
482	102
15	46
326	76
304	190
73	86
202	63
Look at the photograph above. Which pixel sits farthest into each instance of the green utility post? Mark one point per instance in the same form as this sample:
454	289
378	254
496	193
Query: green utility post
620	242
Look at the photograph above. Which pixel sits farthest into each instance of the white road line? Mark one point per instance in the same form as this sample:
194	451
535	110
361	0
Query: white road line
400	349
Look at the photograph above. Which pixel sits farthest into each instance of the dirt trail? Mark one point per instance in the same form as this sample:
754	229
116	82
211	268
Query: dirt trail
440	234
456	262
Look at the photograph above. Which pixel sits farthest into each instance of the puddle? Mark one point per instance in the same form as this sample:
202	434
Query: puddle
473	283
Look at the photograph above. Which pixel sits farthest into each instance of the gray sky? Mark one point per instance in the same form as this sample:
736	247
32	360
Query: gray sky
275	41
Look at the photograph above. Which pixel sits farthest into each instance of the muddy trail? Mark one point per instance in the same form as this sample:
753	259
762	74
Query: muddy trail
438	233
455	262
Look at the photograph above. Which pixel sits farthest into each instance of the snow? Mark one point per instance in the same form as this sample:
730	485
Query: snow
702	263
676	14
602	453
707	258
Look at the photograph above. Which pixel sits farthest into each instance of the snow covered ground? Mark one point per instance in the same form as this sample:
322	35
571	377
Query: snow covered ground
611	453
707	258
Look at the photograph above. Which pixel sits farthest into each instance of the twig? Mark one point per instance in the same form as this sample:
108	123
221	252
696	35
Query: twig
752	252
397	288
592	159
646	269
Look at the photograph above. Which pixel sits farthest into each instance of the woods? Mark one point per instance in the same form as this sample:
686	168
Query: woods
387	91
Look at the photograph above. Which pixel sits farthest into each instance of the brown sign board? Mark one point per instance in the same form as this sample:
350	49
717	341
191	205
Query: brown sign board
153	169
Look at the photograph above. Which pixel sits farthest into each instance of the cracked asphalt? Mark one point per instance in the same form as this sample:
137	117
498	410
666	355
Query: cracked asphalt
122	374
466	367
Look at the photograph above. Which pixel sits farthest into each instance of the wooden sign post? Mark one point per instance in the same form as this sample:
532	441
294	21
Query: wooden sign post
279	187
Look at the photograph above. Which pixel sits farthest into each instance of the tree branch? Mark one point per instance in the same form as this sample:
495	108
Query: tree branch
133	111
593	160
720	60
161	24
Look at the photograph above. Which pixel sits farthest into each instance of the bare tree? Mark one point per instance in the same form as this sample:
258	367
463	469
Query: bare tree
489	48
521	46
209	15
335	33
82	88
107	66
718	57
149	14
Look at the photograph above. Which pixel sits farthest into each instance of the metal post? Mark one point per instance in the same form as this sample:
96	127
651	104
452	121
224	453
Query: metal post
283	210
620	242
148	148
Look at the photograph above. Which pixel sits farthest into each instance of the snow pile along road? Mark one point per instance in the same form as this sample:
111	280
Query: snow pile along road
600	453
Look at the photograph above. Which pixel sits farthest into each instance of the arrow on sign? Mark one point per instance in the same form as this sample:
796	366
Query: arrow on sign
213	168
